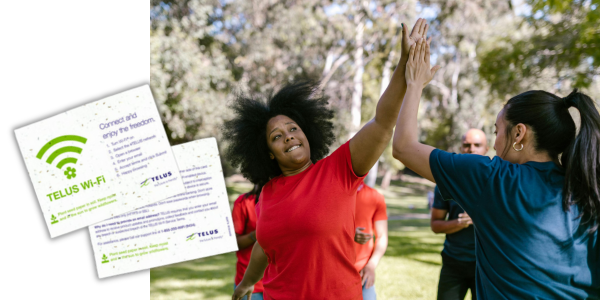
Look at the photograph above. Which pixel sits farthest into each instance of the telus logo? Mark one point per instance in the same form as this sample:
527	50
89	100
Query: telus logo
156	178
201	234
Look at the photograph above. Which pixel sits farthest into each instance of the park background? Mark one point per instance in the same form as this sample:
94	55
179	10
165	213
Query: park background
205	52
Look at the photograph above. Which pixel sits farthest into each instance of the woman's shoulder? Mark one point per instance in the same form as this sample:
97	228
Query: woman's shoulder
244	198
466	160
239	199
340	155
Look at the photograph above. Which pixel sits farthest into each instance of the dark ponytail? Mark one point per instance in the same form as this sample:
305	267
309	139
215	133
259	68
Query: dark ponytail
555	133
581	160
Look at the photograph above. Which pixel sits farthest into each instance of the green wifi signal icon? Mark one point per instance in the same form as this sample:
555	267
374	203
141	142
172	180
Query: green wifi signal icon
70	172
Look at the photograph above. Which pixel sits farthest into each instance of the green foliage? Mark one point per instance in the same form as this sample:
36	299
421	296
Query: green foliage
204	52
557	44
190	74
457	98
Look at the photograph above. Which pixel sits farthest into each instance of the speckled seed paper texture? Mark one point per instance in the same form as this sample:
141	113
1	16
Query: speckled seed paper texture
188	226
99	160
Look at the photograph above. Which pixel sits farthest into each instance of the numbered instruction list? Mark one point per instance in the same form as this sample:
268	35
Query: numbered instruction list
187	226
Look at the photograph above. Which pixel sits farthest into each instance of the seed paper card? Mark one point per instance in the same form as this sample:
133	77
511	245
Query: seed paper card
99	160
188	226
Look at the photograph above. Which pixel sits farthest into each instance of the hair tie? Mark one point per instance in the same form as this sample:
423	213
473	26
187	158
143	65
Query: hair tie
566	102
570	99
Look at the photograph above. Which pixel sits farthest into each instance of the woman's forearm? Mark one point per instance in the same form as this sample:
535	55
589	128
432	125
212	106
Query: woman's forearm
391	100
256	267
405	145
406	124
368	144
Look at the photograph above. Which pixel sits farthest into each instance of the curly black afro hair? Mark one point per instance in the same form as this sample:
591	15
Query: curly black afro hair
246	132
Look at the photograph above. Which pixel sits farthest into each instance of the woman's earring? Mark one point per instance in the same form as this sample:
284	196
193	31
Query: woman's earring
516	148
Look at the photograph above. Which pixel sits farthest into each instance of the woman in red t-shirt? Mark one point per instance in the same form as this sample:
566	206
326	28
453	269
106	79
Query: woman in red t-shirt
305	227
244	223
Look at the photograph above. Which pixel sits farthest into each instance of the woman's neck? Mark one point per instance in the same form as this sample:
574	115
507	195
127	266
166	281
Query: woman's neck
296	171
537	157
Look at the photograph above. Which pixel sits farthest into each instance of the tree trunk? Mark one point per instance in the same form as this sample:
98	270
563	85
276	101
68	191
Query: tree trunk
357	81
385	182
386	76
372	176
455	74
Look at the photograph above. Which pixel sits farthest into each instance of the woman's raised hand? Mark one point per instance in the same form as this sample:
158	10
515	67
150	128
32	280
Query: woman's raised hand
419	31
417	68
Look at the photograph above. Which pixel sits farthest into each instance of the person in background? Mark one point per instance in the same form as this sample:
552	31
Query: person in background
430	196
371	219
244	223
458	256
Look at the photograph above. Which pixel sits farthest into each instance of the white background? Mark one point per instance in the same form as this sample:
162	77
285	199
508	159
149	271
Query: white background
54	56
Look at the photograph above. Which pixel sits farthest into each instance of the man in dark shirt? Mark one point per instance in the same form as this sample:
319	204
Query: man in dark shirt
458	256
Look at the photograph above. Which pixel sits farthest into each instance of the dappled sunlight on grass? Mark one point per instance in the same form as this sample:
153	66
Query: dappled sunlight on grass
196	284
406	205
206	278
413	239
403	278
411	266
405	198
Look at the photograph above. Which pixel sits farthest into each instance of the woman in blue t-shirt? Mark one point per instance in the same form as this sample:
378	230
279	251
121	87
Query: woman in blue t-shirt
535	206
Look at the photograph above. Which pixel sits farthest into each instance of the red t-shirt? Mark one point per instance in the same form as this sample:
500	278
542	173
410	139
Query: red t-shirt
244	222
370	207
306	228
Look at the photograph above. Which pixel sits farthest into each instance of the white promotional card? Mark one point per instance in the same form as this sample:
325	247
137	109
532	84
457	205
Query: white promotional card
99	160
188	226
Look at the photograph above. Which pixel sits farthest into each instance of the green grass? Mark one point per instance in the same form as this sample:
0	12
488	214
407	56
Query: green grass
409	270
405	197
411	265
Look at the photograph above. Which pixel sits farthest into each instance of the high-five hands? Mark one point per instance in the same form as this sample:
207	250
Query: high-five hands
417	68
418	32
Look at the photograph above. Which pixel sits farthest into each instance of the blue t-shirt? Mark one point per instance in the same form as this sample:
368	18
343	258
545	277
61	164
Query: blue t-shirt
459	245
527	246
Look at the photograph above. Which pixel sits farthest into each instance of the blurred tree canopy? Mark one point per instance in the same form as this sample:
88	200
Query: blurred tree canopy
557	43
205	52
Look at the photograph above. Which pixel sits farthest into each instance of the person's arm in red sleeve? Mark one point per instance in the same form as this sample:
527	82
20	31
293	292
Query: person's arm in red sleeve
256	269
